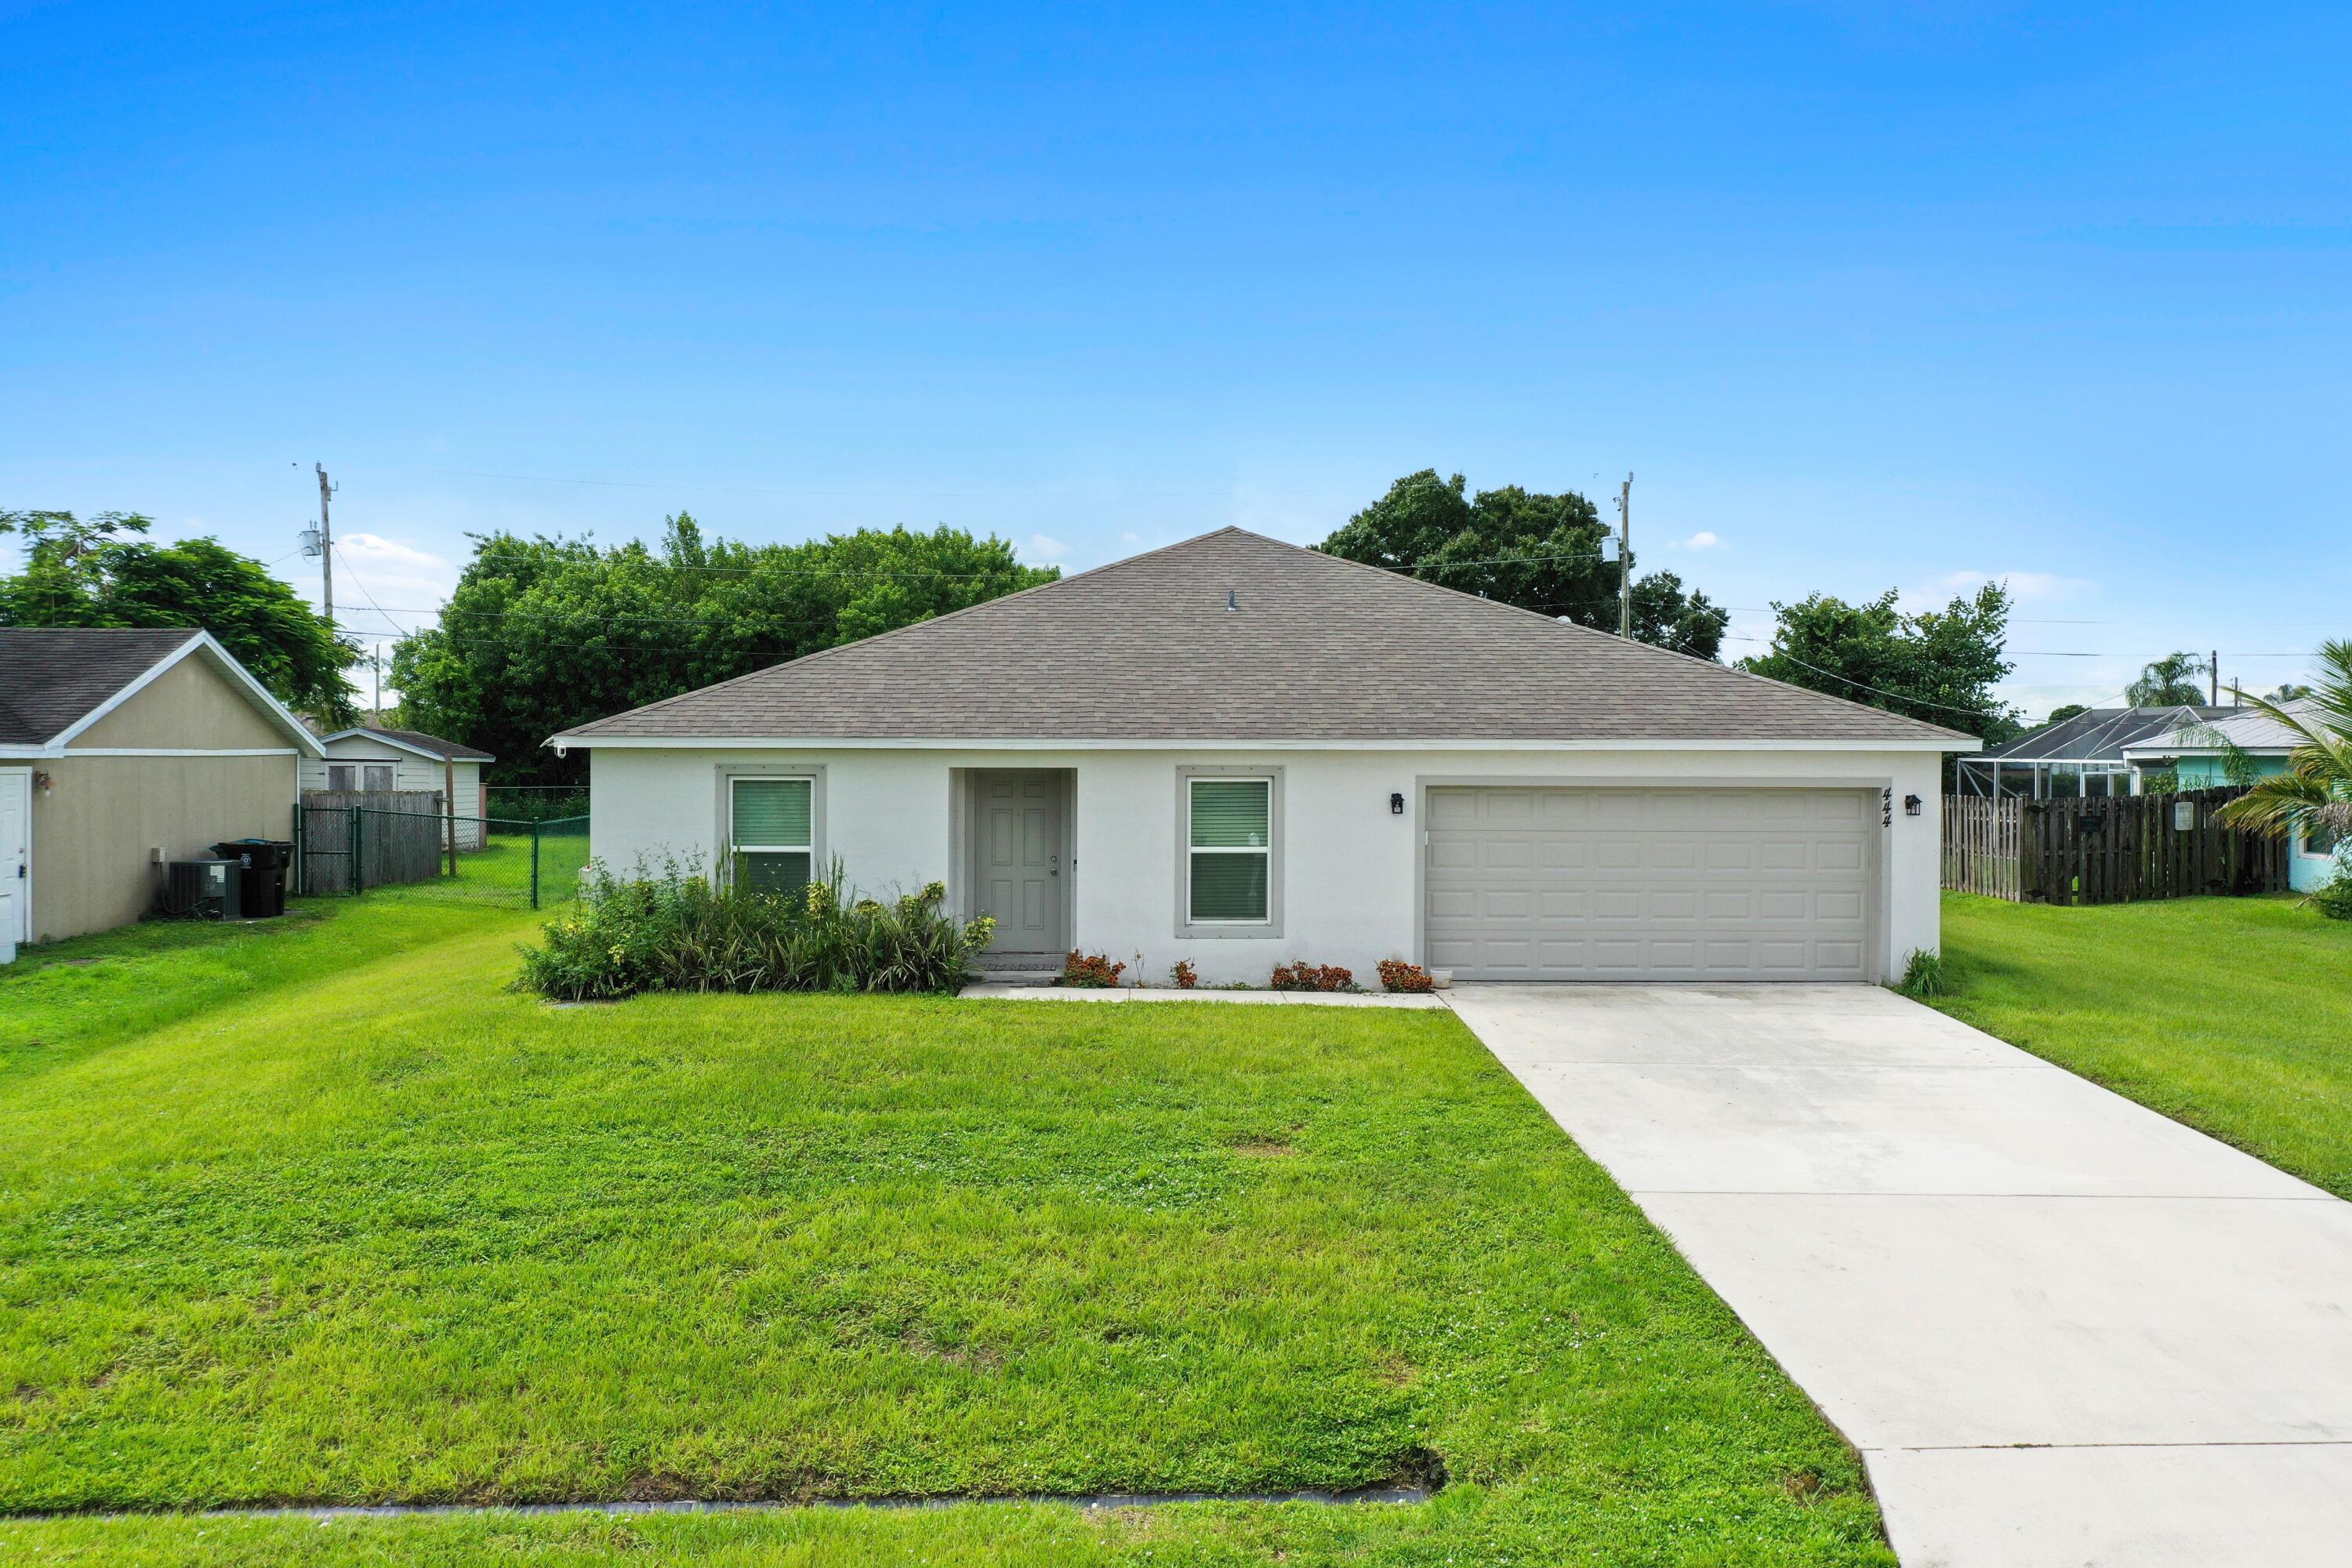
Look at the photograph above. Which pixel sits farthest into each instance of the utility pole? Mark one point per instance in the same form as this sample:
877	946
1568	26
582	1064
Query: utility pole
2214	671
375	666
1626	559
326	546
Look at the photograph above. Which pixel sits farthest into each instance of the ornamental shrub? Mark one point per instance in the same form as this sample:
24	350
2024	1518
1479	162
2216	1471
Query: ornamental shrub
2334	898
1396	974
1094	970
1301	975
1925	975
678	931
1185	976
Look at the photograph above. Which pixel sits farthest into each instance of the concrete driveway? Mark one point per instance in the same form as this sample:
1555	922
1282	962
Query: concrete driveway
2063	1329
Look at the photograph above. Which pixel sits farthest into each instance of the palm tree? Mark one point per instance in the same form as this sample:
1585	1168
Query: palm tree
2313	799
2169	682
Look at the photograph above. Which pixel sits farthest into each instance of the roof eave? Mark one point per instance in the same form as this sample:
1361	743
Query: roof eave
571	739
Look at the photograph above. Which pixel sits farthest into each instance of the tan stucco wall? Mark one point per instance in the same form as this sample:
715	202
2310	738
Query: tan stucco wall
189	704
94	828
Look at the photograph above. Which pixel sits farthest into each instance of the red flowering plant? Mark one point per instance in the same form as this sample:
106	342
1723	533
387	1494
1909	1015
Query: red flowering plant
1396	974
1301	975
1184	974
1090	969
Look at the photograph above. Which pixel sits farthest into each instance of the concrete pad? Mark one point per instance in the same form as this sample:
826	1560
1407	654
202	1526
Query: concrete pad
1956	1321
2195	1507
1840	1128
1792	1026
2061	1328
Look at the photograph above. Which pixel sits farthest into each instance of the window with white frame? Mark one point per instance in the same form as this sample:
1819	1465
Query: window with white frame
379	775
2319	844
338	777
771	824
1229	842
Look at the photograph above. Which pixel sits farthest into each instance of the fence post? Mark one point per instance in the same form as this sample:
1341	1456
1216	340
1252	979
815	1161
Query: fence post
534	863
359	851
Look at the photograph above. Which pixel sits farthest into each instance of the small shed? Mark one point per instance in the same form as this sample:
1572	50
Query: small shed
374	759
121	751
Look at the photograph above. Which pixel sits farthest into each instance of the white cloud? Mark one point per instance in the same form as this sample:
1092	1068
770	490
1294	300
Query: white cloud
406	581
1048	548
1702	540
2025	588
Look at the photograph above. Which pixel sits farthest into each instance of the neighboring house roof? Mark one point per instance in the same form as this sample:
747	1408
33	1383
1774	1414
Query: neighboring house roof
2096	735
415	741
2248	729
57	681
1234	636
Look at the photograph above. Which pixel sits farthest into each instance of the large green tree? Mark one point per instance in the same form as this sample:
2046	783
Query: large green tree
543	634
1938	666
98	572
1541	552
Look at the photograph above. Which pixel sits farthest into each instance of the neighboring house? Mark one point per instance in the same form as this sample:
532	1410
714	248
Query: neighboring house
370	758
1237	751
121	751
2081	756
2198	756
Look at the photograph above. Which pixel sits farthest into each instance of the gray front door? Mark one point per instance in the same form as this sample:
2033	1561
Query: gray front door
1019	875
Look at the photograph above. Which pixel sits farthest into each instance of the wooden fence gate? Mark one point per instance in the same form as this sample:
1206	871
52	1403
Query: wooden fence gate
2102	850
349	840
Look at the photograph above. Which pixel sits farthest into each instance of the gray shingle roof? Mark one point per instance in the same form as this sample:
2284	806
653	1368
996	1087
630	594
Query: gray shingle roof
450	751
1307	647
51	677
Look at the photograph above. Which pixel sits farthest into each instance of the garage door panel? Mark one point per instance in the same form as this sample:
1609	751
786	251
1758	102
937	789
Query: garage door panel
1628	884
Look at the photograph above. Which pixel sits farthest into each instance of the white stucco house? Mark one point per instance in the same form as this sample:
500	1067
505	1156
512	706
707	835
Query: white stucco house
1238	752
372	758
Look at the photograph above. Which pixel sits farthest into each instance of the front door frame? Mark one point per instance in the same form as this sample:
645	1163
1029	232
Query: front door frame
967	860
19	779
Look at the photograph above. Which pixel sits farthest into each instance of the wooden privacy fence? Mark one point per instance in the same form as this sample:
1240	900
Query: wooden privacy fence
349	840
2104	849
1980	851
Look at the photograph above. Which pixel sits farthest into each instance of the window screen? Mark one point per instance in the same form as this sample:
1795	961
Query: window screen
1231	849
771	821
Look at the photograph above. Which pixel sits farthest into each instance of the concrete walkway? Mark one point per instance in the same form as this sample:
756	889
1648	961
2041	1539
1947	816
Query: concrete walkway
2063	1329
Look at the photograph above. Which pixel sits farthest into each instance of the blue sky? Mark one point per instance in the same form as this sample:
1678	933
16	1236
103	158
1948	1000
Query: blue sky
1865	296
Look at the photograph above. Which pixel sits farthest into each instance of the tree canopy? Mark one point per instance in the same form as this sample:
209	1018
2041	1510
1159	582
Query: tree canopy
96	572
543	634
2065	710
2170	682
1938	666
1541	552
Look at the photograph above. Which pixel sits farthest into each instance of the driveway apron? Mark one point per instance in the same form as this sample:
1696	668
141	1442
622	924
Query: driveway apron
2061	1330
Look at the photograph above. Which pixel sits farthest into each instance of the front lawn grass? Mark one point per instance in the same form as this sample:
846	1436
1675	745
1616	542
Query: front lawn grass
2231	1015
392	1233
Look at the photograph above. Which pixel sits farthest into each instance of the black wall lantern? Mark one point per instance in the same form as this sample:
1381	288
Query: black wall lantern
1396	805
1910	806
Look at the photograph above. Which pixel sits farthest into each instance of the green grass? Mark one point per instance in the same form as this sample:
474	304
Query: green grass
2231	1014
361	1225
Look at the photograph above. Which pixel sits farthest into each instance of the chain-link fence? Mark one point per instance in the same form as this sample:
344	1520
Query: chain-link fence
348	850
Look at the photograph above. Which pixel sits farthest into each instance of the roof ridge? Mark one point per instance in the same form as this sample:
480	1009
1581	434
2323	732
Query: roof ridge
867	642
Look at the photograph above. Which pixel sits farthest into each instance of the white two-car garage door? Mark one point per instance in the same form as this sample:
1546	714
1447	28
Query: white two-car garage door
1651	884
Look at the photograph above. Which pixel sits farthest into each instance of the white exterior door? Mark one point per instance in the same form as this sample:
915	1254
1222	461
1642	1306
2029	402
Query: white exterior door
15	859
1652	884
